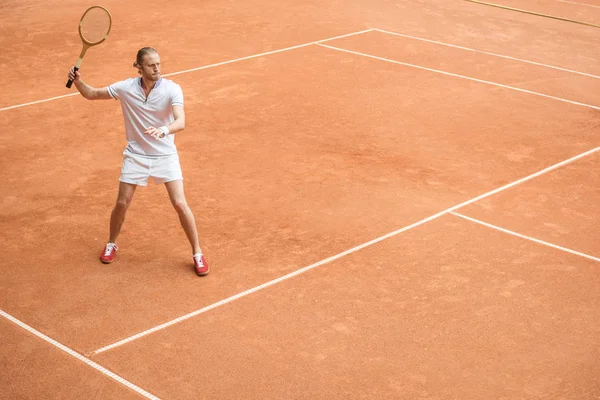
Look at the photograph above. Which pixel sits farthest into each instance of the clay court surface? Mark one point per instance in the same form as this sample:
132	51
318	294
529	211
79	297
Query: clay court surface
398	200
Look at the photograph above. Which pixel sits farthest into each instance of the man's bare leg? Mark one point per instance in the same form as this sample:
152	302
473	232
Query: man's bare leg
117	217
186	218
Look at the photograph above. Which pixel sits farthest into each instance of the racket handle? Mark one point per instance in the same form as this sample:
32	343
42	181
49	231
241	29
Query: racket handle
70	82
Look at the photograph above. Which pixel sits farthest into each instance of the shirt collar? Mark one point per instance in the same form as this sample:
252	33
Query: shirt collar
155	85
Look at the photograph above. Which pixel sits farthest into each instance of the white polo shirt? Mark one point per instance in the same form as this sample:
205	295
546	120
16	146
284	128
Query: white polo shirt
140	112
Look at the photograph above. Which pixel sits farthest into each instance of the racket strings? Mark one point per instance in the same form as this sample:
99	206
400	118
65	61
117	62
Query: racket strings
95	25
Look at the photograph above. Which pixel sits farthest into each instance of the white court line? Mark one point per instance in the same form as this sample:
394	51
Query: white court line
39	101
208	66
459	76
340	255
79	357
271	52
525	237
488	53
579	4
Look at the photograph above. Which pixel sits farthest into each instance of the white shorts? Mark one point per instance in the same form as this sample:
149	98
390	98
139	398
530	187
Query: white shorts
136	168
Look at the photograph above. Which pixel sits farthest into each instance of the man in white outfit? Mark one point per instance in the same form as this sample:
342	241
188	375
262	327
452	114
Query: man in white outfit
153	111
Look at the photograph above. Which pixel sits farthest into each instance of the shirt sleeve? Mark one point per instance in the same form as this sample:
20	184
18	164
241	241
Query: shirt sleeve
177	96
116	89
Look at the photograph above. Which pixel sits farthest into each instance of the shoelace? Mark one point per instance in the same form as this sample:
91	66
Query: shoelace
109	249
199	260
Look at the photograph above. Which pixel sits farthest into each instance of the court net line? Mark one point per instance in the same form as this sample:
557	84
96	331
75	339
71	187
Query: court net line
78	356
459	76
534	13
340	255
487	53
555	246
207	66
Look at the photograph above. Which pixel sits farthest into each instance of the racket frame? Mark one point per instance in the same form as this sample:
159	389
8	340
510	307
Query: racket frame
87	44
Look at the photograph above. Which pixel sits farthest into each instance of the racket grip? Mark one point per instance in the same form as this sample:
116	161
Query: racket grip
70	82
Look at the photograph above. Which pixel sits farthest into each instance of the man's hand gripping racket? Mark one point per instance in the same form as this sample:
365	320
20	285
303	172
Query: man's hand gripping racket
94	28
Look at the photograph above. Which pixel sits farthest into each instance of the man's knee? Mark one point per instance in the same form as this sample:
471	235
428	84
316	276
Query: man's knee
181	207
123	203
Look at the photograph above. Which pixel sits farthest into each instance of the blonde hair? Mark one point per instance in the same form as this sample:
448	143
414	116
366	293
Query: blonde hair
139	58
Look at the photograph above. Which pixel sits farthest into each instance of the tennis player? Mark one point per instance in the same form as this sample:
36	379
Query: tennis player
153	111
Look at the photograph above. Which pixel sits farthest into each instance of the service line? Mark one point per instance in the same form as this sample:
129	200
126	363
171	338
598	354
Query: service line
458	76
206	66
539	64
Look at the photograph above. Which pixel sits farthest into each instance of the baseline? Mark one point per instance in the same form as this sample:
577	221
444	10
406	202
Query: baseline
342	254
578	253
459	76
78	356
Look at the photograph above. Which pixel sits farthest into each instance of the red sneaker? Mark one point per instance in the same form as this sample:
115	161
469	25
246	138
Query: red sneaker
109	253
200	265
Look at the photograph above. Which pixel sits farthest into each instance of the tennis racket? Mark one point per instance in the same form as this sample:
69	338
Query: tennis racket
94	28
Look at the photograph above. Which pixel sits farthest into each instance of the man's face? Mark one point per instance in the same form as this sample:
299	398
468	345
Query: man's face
150	67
